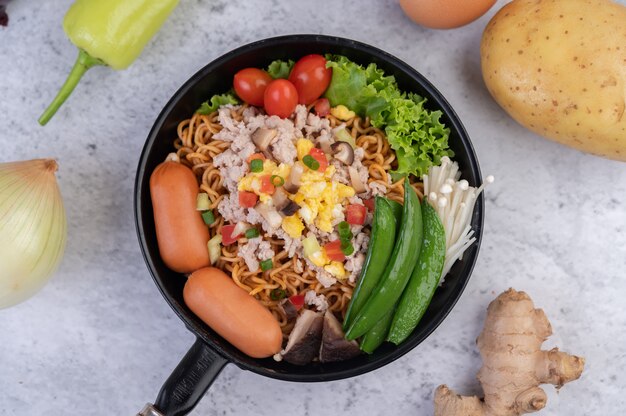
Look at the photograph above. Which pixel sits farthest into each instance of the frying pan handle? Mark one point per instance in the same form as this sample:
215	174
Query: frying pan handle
188	382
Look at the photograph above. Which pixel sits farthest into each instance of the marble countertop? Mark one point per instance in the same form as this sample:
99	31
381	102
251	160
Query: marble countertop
100	339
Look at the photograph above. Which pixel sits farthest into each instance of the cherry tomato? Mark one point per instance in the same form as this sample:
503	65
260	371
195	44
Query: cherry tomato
250	84
281	98
322	107
333	251
320	156
267	187
311	78
247	199
297	301
227	234
355	214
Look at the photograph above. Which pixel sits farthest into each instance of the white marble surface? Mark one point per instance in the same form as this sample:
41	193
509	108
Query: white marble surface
100	340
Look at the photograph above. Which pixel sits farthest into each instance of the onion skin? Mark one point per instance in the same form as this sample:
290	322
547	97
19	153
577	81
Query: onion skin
33	228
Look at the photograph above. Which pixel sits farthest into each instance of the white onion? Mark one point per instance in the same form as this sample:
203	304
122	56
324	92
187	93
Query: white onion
33	228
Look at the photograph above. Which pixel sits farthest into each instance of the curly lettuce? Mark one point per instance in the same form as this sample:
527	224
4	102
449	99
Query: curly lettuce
280	69
216	102
415	133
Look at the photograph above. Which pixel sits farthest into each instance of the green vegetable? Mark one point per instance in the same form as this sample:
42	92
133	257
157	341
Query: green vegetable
256	165
215	248
202	202
378	253
252	233
280	69
424	280
277	294
310	162
216	102
414	133
396	207
277	180
375	336
208	217
347	248
266	265
310	245
343	228
112	33
398	270
342	135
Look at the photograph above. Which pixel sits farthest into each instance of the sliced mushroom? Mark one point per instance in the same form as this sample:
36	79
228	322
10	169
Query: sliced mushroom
293	182
335	346
290	209
355	180
262	137
270	215
289	308
324	142
343	152
305	338
280	198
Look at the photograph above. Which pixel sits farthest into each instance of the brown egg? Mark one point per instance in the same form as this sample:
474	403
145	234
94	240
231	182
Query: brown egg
445	14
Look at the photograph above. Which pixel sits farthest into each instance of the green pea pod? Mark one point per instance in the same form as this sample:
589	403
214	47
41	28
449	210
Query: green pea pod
424	280
375	336
396	207
112	33
398	270
379	251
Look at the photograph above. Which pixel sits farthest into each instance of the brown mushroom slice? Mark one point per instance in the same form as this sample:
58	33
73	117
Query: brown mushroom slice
335	346
305	339
293	182
280	198
343	152
290	209
324	142
290	309
262	137
355	180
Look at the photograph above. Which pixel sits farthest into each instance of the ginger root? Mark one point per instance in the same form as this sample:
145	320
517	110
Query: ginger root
513	363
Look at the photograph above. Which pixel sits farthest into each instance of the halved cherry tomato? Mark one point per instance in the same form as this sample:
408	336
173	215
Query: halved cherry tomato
320	156
355	214
311	78
253	156
370	203
322	107
280	99
250	85
267	187
247	199
227	234
297	301
333	251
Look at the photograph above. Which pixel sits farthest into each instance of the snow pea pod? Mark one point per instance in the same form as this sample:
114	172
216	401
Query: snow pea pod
378	254
377	334
424	280
398	270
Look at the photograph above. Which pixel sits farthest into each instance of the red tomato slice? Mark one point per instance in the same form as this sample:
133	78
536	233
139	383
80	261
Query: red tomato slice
280	98
297	301
254	156
311	78
355	214
333	251
266	185
250	85
320	156
247	199
370	204
227	237
322	107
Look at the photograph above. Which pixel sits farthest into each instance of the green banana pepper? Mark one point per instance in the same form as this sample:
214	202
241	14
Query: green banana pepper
112	33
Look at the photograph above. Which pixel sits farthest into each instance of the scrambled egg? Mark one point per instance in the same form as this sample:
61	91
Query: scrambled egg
342	112
336	269
293	226
321	199
252	181
303	147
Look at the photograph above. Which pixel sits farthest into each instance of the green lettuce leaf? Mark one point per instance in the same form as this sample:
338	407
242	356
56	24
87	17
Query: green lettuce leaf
216	102
280	69
415	133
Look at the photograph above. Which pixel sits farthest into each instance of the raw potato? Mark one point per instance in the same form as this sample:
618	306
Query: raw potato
514	365
558	67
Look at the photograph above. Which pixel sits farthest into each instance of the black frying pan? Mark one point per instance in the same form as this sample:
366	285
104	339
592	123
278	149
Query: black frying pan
210	353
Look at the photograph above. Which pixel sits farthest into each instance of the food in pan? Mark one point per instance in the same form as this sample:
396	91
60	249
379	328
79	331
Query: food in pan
307	181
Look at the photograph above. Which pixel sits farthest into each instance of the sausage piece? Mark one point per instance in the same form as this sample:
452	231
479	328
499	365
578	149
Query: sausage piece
181	233
231	312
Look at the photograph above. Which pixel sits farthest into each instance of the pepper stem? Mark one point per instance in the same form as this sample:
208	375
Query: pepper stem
83	63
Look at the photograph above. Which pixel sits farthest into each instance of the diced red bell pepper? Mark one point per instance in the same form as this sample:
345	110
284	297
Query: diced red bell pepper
322	107
356	214
333	251
320	156
297	301
247	199
227	234
267	187
370	204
